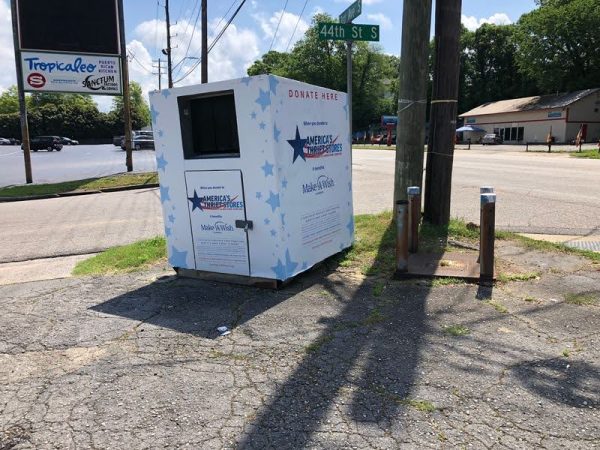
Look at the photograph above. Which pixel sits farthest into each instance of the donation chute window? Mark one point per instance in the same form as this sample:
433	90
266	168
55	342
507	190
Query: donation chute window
209	126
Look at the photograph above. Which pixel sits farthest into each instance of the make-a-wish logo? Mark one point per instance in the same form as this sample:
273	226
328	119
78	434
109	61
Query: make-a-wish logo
316	146
318	186
217	227
216	202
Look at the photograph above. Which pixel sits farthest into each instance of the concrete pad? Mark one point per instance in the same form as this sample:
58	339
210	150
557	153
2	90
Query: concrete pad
39	269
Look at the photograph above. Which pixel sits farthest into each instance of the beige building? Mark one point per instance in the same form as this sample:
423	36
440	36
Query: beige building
530	119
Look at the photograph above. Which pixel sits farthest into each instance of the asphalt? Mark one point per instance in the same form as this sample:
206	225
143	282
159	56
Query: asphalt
334	360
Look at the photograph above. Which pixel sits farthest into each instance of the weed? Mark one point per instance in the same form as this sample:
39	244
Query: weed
442	437
374	317
497	306
586	298
233	356
530	299
566	353
456	330
419	405
318	343
506	277
378	289
446	281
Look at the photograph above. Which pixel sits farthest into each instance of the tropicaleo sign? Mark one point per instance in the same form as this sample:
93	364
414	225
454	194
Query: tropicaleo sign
64	72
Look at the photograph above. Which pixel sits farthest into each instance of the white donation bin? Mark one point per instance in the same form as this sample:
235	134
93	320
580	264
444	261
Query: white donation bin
255	175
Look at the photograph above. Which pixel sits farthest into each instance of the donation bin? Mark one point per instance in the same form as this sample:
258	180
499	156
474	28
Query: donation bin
255	175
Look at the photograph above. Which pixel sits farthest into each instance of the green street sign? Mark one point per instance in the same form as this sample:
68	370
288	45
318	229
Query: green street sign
348	32
352	12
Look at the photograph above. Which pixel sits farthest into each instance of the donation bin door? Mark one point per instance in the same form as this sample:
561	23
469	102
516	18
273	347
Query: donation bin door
215	203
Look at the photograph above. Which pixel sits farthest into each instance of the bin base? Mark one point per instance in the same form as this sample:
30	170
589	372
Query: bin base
265	283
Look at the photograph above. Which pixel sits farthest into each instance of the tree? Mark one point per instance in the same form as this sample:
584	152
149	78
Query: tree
272	62
140	112
38	99
9	101
558	44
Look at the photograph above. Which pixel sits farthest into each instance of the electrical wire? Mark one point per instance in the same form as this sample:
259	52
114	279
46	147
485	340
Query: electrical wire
189	42
139	63
278	23
297	22
156	29
213	42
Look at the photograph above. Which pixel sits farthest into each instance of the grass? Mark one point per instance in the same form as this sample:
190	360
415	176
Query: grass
530	299
445	281
545	246
566	353
127	258
586	298
506	277
89	184
374	317
378	289
419	405
456	330
318	343
498	306
590	154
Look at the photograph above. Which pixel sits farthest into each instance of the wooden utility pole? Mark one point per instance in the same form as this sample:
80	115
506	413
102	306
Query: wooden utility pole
167	51
442	128
126	96
159	73
204	55
412	98
21	96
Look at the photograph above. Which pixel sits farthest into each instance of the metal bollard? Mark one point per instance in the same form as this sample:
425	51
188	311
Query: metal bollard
401	236
414	217
487	237
486	190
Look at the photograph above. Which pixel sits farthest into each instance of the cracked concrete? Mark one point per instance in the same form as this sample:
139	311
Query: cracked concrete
134	361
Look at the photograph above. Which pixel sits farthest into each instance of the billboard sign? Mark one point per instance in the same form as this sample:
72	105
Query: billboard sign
67	72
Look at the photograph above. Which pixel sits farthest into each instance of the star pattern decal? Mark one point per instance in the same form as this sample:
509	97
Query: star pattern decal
164	194
253	114
298	146
284	183
165	93
262	125
246	80
304	265
276	132
196	201
273	233
167	231
161	162
178	258
273	84
284	270
154	114
264	99
267	221
267	168
160	133
282	219
259	195
350	225
350	186
273	201
171	218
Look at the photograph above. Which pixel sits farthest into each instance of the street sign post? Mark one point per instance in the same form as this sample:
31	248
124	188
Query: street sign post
352	12
348	32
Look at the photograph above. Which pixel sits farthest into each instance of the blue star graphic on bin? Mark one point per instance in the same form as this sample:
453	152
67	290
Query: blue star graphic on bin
282	271
273	233
276	132
267	221
273	84
246	80
164	194
298	146
196	201
178	258
284	183
154	114
350	225
167	231
304	265
267	168
264	99
273	201
262	125
165	93
160	133
258	195
283	219
171	218
253	114
161	162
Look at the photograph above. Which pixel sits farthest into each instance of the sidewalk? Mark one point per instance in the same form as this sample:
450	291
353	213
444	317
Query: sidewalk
334	360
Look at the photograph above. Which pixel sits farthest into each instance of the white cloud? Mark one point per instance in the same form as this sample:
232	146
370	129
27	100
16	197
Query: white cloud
286	28
472	23
8	75
381	19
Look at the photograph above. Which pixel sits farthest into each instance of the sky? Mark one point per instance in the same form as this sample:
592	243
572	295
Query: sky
260	25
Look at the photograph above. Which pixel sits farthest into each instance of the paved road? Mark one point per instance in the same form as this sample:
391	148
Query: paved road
71	163
537	193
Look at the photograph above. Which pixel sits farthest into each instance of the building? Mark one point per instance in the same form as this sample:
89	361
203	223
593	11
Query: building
530	119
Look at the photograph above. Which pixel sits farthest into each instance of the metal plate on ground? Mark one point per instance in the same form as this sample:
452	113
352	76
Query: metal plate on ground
448	264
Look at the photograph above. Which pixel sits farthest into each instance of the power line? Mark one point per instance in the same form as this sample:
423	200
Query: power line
213	42
190	41
139	62
278	23
297	22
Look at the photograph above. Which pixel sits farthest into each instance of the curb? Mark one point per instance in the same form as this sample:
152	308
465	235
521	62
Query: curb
78	193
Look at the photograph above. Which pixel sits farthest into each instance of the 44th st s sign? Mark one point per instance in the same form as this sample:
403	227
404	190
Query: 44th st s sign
348	32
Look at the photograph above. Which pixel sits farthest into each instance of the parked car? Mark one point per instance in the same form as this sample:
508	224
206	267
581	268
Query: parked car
14	141
45	143
117	140
491	139
4	141
68	141
140	140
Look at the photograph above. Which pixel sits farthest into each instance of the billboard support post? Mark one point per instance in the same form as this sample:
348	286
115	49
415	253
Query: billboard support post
126	96
21	95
